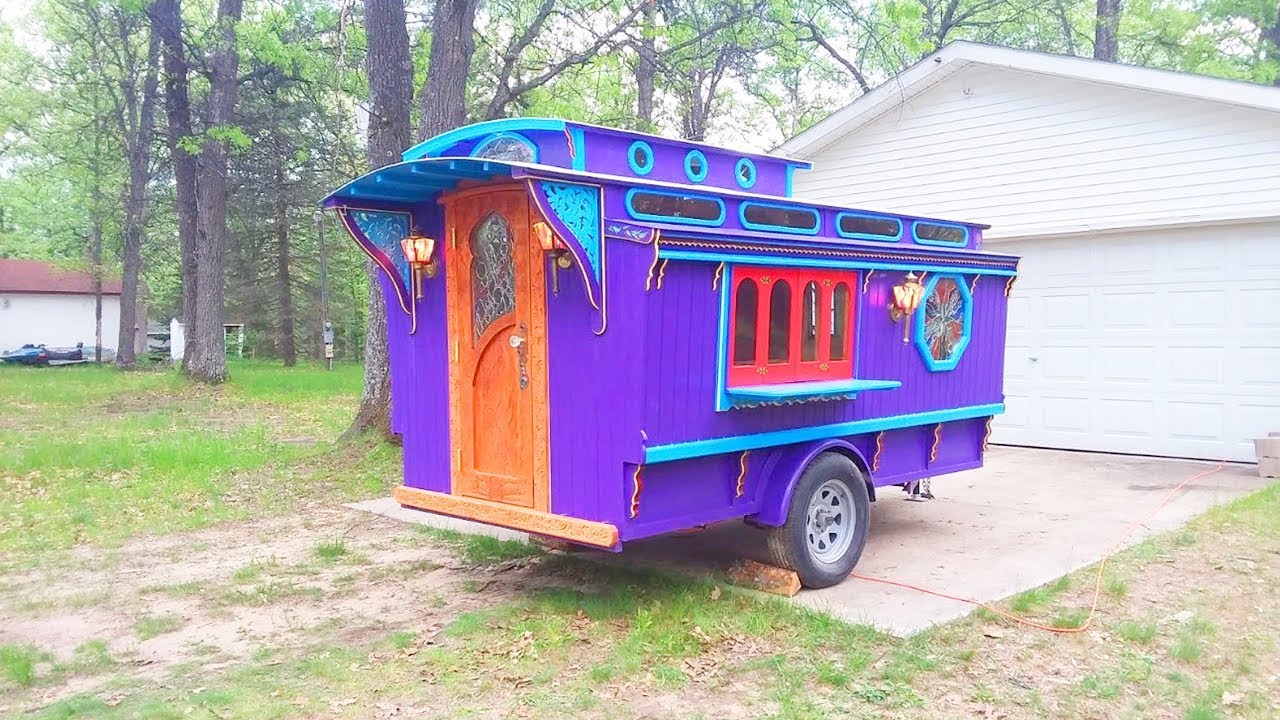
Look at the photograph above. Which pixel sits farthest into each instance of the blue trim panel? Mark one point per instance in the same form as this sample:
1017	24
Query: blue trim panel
578	144
868	236
745	164
918	332
791	170
688	166
776	261
738	443
809	389
631	157
925	241
722	341
432	146
675	220
742	218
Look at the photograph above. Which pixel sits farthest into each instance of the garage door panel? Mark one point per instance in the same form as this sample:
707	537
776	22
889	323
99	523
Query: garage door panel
1128	309
1262	308
1195	365
1128	418
1258	367
1065	414
1159	343
1195	308
1201	421
1064	310
1126	364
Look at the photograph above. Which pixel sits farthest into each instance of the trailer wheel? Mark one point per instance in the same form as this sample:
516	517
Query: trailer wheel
826	525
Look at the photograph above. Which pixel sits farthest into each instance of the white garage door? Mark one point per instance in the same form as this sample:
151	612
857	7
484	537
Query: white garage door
1154	343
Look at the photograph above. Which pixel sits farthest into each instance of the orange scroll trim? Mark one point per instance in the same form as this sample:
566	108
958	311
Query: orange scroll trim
587	532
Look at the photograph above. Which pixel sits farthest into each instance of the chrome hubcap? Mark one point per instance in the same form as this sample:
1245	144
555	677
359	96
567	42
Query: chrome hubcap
829	522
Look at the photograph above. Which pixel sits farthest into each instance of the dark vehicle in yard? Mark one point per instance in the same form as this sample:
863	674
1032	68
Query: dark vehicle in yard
40	355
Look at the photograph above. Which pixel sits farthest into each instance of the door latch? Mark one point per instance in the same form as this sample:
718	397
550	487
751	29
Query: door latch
522	355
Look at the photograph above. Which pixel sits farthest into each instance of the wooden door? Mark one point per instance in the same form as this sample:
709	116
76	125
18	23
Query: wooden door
497	371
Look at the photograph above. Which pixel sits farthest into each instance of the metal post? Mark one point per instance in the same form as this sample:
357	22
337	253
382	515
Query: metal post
326	327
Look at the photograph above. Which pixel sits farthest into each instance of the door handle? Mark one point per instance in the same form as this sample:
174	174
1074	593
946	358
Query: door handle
522	355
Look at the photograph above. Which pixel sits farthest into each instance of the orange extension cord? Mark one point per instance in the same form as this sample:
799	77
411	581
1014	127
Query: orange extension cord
1097	583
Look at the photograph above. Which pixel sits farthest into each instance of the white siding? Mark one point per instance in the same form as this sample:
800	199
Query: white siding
55	320
1156	342
1034	154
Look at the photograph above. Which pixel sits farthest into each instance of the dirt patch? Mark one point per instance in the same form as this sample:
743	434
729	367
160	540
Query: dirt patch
233	590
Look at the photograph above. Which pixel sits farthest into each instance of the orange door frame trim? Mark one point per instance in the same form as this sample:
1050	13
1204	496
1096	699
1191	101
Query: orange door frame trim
463	210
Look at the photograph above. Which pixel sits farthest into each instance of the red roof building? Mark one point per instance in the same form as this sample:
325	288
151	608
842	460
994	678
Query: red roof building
38	276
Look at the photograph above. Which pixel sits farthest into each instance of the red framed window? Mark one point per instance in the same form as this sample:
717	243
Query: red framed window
790	325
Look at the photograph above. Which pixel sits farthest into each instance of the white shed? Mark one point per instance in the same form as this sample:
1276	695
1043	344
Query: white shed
1146	207
43	304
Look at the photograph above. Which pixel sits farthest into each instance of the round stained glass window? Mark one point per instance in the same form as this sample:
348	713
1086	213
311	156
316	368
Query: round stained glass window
943	321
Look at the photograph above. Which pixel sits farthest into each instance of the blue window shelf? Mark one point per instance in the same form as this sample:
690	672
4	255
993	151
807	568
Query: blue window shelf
812	390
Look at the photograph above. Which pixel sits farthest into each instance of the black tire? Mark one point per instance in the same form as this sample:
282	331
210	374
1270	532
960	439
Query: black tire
789	545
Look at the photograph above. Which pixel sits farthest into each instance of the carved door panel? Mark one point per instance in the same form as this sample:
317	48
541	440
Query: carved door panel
497	383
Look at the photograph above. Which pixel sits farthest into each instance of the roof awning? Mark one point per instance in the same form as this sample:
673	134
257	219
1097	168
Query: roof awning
417	181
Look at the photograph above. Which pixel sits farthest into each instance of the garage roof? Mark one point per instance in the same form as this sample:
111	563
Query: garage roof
38	276
958	55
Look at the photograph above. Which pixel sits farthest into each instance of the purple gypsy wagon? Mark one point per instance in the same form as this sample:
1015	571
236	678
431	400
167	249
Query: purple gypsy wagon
600	335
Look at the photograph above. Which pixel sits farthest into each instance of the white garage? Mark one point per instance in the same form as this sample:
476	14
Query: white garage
1146	207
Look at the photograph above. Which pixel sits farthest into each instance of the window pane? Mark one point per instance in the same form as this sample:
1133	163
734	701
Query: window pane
780	322
809	324
676	206
745	304
942	233
797	218
861	225
493	273
840	322
944	319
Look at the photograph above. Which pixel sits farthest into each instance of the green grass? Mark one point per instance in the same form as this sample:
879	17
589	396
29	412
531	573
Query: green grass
1039	597
150	626
101	455
481	549
18	664
1141	633
330	549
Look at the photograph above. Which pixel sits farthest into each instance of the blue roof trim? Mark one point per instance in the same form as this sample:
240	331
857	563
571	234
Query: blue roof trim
443	141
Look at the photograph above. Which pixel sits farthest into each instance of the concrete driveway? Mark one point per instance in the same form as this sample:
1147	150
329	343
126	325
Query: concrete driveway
1028	517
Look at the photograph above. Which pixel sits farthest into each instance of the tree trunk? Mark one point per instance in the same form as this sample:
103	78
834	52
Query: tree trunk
138	139
444	101
285	346
166	19
208	361
1274	36
1105	42
390	68
95	262
646	69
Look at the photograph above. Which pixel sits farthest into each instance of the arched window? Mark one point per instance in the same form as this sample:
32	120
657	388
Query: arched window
809	323
840	322
509	147
746	303
778	338
779	322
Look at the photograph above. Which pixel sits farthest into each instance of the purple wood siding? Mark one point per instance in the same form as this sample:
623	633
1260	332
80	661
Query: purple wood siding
420	372
594	386
680	360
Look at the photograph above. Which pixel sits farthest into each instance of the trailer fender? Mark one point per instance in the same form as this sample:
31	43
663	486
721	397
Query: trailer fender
782	470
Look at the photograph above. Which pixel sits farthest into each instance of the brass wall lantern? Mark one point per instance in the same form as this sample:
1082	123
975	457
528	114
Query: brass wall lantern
906	298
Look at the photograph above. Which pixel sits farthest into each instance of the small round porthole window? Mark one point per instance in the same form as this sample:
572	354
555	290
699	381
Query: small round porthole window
640	157
745	171
943	321
695	166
